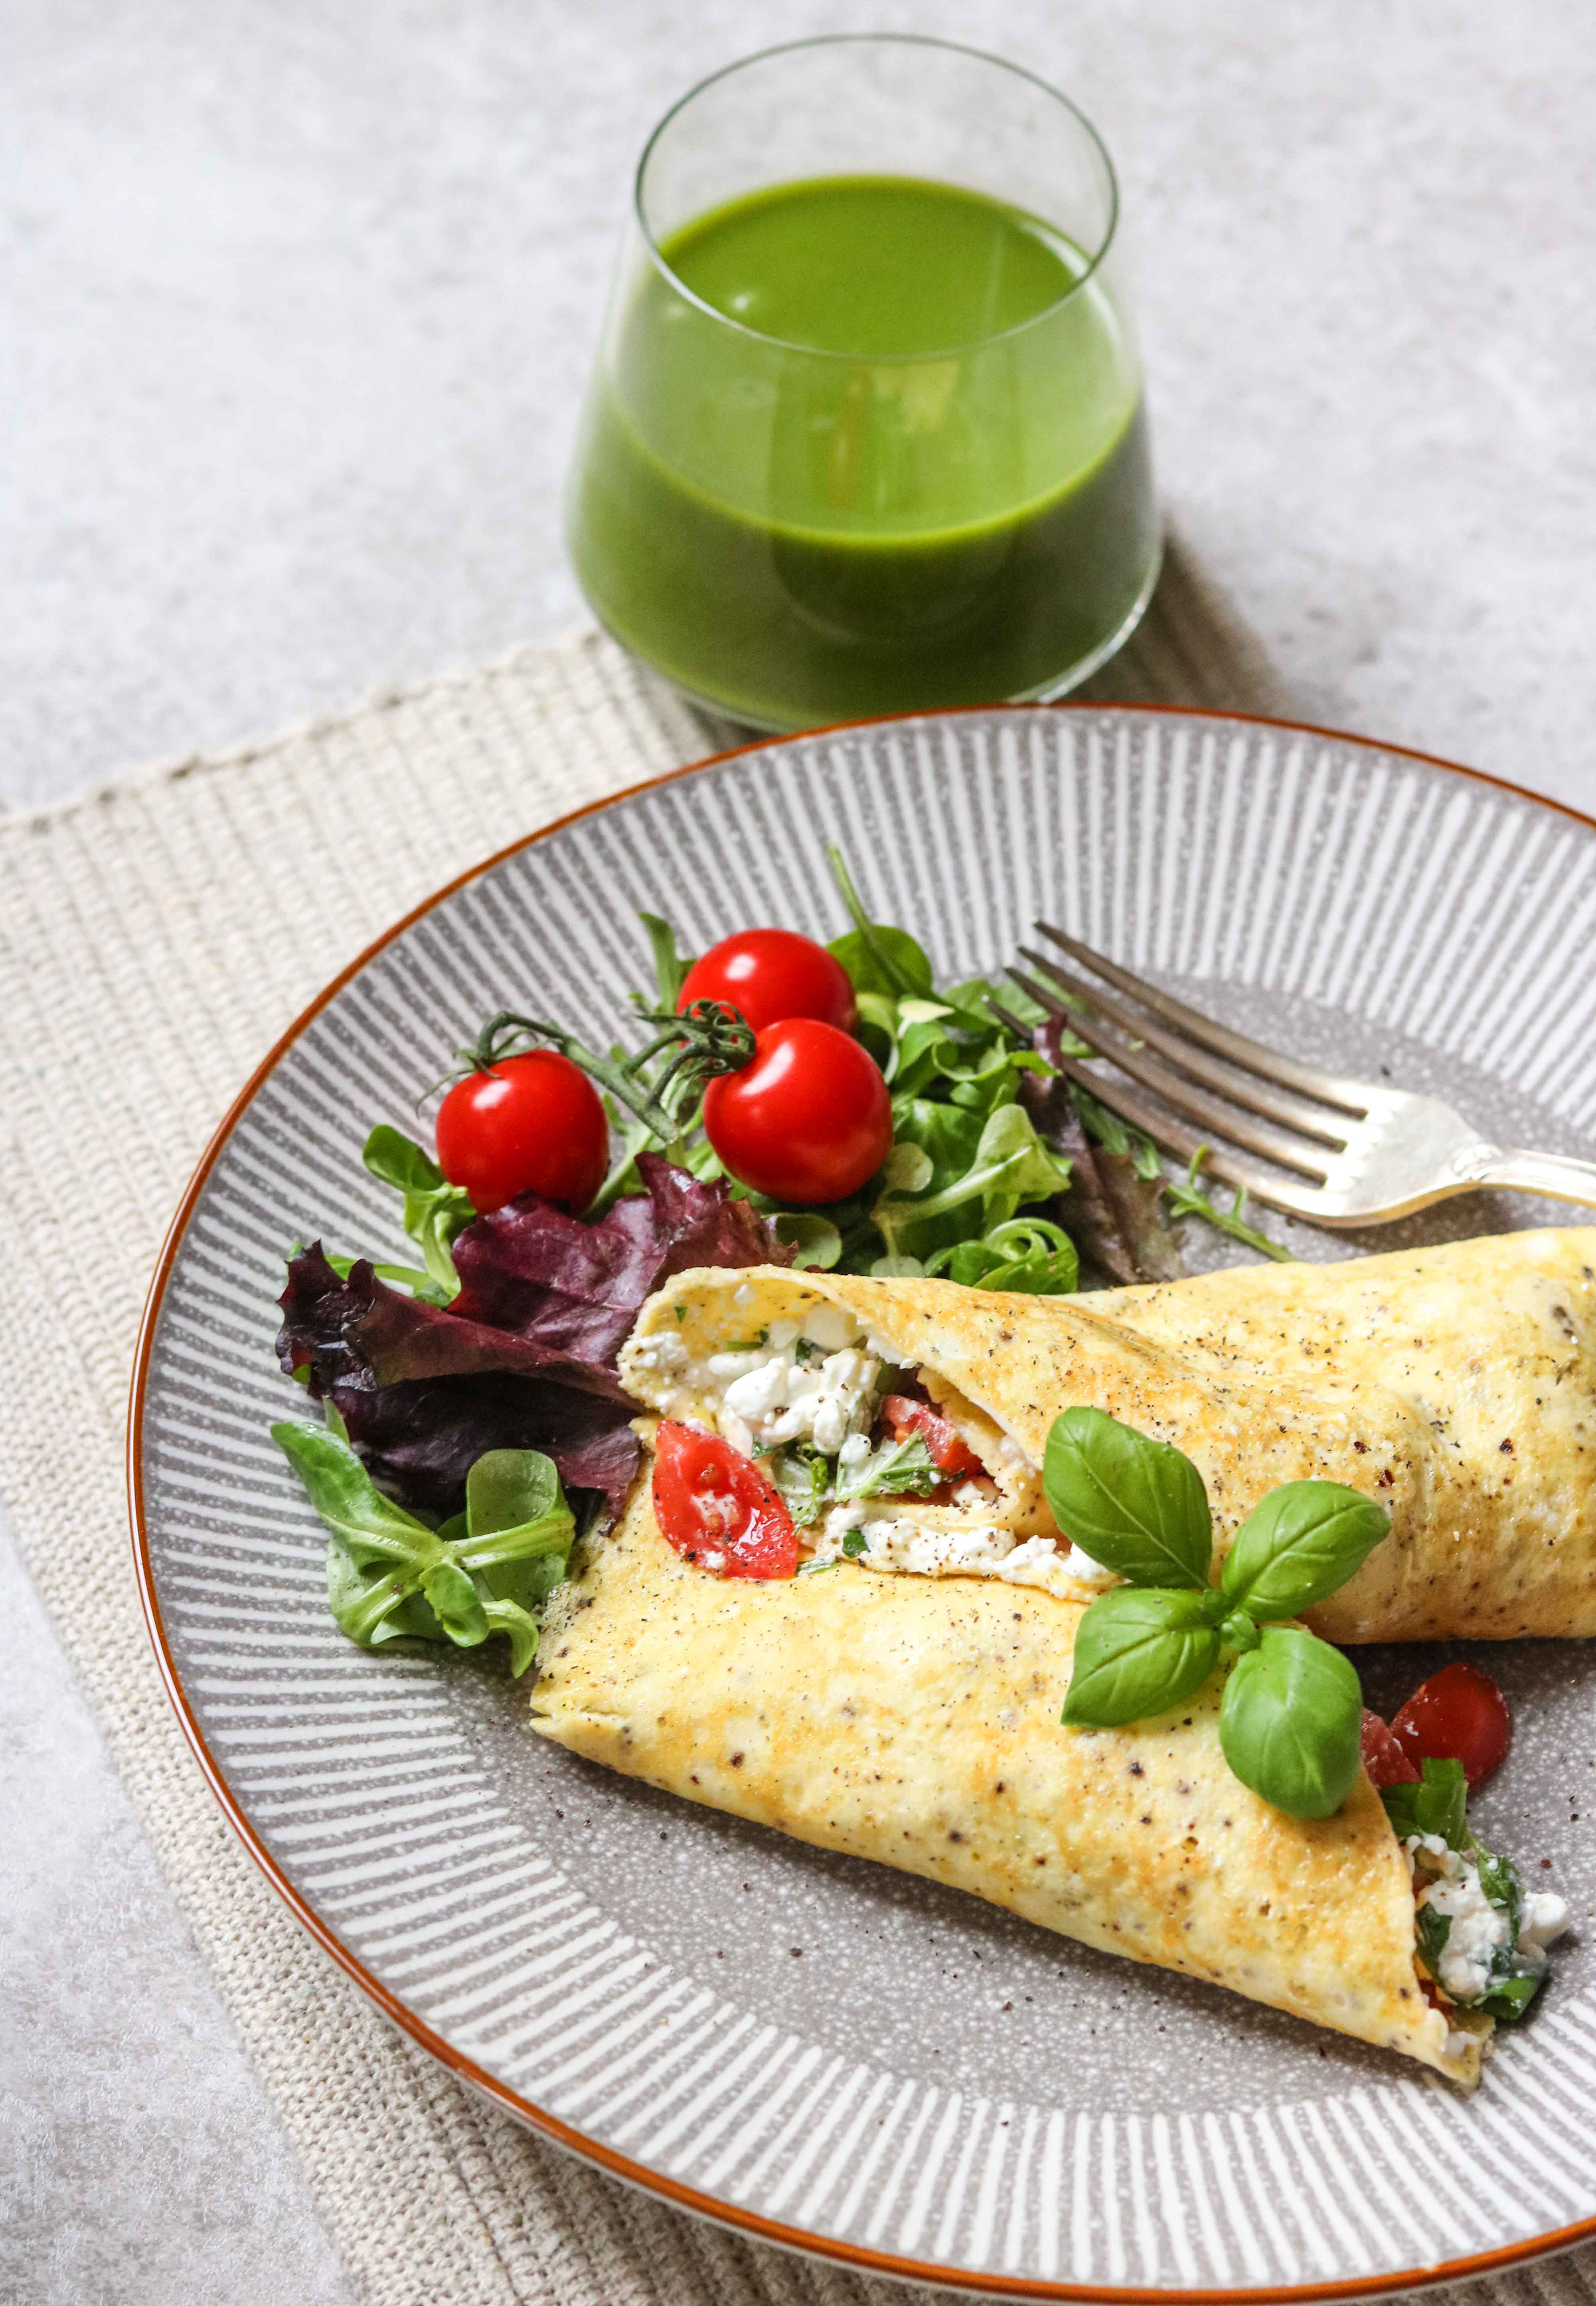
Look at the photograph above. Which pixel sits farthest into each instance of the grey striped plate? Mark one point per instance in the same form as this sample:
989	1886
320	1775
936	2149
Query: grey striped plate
818	2049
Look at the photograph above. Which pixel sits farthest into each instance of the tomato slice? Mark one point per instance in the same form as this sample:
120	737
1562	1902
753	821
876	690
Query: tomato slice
949	1454
1383	1757
711	1502
1458	1715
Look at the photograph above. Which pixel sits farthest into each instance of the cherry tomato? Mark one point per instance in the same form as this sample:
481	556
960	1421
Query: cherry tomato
1458	1715
949	1453
807	1119
533	1123
773	974
709	1502
1383	1757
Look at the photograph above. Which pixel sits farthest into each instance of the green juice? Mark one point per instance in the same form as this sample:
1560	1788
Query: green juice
913	472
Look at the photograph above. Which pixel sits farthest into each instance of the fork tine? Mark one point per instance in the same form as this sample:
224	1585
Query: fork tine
1219	1161
1246	1090
1330	1088
1186	1096
1007	1017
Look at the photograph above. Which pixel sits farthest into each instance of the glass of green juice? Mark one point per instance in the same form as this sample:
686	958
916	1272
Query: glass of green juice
867	431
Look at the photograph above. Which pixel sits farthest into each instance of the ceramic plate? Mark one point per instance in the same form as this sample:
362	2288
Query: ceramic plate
812	2047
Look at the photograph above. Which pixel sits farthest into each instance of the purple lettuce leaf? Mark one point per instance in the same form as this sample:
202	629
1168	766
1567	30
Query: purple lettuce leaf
524	1357
576	1289
1114	1215
419	1440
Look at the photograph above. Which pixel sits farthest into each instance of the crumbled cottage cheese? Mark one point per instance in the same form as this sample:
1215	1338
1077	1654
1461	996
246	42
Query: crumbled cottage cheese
925	1550
1079	1564
774	1396
1479	1931
1546	1917
816	1381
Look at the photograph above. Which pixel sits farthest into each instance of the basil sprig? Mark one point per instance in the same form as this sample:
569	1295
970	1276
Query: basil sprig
1290	1721
487	1571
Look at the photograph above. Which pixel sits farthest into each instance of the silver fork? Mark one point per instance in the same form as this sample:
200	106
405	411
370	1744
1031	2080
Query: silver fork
1343	1152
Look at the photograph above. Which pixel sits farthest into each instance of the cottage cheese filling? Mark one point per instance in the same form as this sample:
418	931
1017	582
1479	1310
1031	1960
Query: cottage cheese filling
1479	1931
816	1384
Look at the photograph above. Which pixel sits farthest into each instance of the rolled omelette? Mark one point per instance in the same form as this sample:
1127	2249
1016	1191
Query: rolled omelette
1456	1385
1465	1375
914	1718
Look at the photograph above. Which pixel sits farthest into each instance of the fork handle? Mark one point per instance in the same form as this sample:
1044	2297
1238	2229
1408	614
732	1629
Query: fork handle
1553	1173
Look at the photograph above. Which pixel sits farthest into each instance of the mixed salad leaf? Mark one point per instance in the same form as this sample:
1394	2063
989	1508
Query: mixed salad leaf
523	1357
500	1338
488	1570
1002	1174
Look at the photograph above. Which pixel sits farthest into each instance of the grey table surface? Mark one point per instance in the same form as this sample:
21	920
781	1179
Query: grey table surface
301	305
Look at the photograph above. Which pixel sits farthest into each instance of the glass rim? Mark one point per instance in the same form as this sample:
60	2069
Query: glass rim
876	39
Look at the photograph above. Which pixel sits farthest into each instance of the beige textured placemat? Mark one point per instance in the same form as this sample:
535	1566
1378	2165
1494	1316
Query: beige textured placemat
175	924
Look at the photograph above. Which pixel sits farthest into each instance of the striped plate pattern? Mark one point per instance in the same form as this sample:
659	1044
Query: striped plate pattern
863	2062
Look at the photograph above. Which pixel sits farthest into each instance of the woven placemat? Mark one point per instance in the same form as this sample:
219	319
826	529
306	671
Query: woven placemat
176	923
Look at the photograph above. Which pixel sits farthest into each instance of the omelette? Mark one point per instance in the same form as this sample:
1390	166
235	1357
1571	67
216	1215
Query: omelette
898	1698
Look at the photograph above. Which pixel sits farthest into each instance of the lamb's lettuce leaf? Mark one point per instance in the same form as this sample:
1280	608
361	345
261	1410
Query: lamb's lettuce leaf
389	1578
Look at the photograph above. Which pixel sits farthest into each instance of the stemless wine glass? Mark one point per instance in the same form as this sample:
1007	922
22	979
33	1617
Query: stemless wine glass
868	431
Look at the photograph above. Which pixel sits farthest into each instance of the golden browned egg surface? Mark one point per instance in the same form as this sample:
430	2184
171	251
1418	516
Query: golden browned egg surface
916	1721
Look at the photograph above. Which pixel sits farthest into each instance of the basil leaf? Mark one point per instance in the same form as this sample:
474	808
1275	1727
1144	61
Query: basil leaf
1510	1998
1438	1803
1498	1878
1138	1652
1137	1505
800	1479
897	1469
1291	1722
1432	1931
854	1543
1302	1541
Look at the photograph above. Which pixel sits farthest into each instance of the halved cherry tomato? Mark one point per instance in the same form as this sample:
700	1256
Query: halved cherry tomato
1383	1757
531	1123
1458	1715
807	1119
950	1453
717	1508
772	974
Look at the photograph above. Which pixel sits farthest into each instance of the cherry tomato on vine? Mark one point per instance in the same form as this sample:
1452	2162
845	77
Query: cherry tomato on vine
717	1508
531	1123
950	1453
1458	1715
1383	1757
807	1119
773	974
